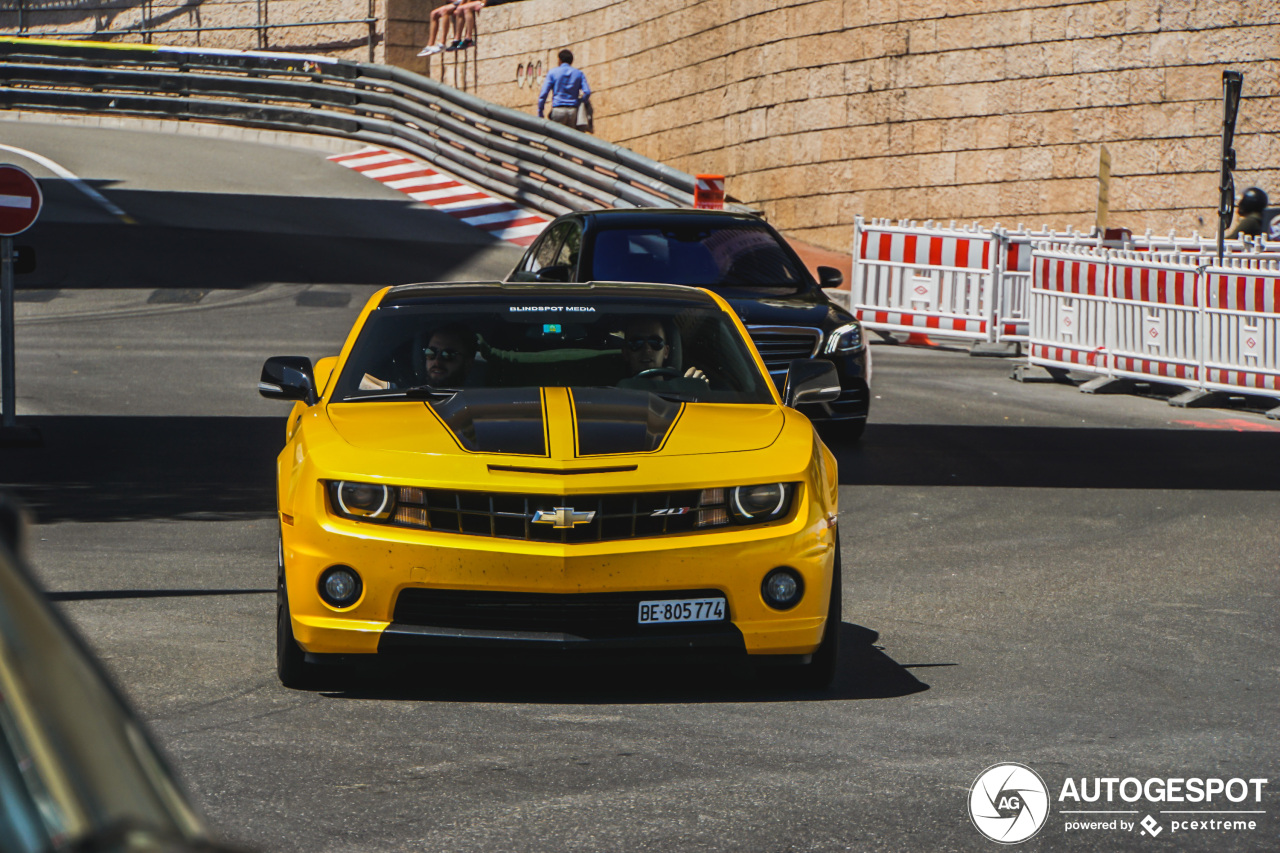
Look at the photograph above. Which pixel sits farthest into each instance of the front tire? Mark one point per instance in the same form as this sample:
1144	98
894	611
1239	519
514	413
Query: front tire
821	669
824	663
291	663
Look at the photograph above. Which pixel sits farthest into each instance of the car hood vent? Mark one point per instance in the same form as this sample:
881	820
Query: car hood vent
555	423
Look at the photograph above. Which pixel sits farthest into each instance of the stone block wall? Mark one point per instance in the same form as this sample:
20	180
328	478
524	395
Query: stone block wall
973	110
818	110
338	28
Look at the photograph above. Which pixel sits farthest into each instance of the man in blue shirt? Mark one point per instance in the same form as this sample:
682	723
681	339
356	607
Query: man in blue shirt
569	87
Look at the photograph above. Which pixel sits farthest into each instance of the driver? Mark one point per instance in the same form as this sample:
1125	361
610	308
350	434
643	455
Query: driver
647	347
448	356
446	360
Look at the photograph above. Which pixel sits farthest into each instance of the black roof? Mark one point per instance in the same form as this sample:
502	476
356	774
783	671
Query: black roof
425	292
642	216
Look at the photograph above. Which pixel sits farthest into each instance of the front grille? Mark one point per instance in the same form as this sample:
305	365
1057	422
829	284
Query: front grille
584	614
852	401
780	345
511	516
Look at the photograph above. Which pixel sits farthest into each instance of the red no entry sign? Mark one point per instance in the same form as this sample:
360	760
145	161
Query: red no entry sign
20	200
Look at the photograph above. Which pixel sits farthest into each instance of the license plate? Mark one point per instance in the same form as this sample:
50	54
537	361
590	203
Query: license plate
682	610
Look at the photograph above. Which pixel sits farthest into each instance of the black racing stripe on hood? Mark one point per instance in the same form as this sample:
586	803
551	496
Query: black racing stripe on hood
496	420
617	420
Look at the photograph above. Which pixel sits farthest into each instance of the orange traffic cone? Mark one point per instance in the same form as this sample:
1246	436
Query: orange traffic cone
918	339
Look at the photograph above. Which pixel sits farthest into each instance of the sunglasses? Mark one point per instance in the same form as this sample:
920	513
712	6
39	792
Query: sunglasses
440	354
655	343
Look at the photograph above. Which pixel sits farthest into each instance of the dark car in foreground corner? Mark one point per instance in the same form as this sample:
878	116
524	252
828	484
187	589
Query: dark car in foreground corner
738	256
77	770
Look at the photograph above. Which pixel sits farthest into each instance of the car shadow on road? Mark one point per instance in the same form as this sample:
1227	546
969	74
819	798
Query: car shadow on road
107	468
866	672
124	468
236	240
1060	457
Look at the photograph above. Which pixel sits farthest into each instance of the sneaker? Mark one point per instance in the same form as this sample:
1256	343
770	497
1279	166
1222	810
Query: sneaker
455	45
466	43
430	49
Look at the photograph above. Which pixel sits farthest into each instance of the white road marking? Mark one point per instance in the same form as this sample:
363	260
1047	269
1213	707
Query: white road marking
447	194
71	178
424	181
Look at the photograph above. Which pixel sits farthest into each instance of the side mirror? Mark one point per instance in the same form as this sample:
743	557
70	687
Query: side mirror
288	377
830	277
555	272
811	380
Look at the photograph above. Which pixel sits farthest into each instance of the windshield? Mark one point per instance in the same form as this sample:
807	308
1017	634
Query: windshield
737	255
676	349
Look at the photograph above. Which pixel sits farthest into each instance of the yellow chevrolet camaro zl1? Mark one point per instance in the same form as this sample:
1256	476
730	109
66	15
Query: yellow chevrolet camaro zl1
602	467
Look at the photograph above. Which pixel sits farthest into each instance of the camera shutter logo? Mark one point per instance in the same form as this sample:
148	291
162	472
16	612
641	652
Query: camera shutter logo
1008	803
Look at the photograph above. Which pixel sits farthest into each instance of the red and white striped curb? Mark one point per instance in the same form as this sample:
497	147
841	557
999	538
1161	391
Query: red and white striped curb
501	218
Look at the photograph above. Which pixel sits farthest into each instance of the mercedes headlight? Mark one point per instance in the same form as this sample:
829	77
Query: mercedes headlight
847	338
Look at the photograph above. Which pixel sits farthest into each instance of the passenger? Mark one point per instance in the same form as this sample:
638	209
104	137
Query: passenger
1252	206
568	88
466	30
446	360
646	353
448	356
442	19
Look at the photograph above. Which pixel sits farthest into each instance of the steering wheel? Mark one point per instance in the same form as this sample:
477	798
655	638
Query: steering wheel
660	371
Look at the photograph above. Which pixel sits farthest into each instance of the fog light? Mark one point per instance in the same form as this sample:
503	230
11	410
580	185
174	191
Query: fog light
340	586
782	588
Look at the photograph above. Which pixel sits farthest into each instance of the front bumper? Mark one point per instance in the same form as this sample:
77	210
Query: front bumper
397	564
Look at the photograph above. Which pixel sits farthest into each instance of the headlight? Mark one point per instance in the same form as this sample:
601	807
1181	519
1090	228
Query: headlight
362	500
744	504
847	338
758	503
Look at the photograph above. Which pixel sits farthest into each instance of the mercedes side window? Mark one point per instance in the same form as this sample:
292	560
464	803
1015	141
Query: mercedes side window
548	248
570	248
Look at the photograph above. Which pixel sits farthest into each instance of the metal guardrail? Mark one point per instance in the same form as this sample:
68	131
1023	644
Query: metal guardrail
538	163
154	19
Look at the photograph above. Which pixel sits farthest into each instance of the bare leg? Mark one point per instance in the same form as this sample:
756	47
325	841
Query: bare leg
442	20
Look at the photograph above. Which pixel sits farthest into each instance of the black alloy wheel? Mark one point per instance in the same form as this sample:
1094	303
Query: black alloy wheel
824	663
291	664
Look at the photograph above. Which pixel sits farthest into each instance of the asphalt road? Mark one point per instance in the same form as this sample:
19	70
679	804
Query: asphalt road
1083	584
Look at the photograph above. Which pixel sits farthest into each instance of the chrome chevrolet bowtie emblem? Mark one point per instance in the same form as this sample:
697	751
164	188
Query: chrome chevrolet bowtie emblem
562	516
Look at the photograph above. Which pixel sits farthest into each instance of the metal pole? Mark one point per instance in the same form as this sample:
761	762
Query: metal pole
1232	82
6	330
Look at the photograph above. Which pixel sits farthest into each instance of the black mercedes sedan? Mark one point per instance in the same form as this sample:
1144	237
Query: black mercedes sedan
742	258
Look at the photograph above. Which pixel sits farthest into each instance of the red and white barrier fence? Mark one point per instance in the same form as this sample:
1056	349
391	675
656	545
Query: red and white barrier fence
971	282
920	278
1153	328
1242	326
1013	301
1176	318
1067	309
